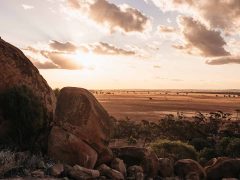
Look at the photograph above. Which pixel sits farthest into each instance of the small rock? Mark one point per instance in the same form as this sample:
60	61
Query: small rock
56	170
79	173
135	172
38	173
110	173
165	167
192	176
119	165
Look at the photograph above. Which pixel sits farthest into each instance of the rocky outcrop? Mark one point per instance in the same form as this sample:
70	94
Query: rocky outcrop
135	172
110	173
144	157
223	168
119	165
68	148
56	170
189	169
82	129
79	173
16	70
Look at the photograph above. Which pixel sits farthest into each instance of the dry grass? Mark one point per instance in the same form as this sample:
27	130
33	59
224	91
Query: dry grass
139	106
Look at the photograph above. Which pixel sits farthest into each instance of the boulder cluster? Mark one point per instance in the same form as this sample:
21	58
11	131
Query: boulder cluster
76	140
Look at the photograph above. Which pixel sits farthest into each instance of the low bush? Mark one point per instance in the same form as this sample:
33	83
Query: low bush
206	154
175	149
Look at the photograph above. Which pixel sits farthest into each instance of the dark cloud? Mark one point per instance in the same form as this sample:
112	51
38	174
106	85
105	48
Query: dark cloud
166	29
101	11
67	47
107	49
224	60
224	14
129	19
208	42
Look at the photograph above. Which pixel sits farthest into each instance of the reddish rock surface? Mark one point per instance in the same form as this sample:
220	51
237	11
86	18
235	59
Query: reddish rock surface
17	70
80	116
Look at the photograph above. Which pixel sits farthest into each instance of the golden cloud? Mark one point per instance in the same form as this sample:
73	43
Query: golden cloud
198	38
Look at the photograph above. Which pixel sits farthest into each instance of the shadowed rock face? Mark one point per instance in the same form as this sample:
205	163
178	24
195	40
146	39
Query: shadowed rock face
81	115
189	169
17	70
138	156
223	167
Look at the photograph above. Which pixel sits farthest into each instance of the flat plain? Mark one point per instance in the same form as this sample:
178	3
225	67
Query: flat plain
154	105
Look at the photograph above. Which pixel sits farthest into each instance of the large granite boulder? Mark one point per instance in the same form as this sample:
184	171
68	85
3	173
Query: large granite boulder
68	148
223	168
144	157
83	124
16	70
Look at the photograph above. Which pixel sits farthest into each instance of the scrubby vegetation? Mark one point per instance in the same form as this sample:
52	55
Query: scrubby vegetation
211	135
25	115
174	149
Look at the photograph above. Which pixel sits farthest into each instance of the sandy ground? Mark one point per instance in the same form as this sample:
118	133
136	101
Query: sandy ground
153	106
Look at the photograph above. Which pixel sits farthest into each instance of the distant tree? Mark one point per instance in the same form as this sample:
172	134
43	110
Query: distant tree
56	92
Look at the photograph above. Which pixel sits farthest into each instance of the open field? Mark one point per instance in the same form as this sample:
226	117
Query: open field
153	105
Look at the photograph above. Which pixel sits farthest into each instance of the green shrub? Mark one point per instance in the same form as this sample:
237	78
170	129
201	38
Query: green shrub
176	149
131	140
206	154
25	114
233	148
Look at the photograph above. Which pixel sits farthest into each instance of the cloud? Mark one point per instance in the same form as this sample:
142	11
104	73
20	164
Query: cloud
200	40
74	4
224	14
68	47
64	61
156	66
114	17
166	29
224	60
177	80
64	55
27	7
57	56
108	49
45	65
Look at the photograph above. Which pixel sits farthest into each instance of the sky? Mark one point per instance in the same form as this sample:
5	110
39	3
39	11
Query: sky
128	44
